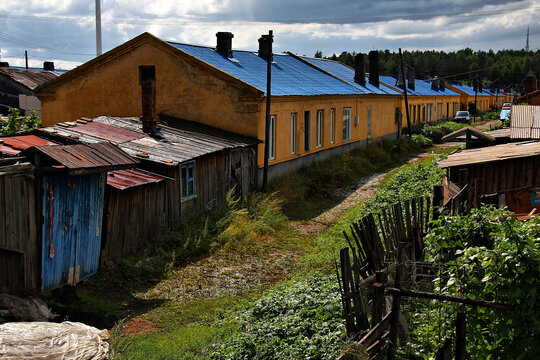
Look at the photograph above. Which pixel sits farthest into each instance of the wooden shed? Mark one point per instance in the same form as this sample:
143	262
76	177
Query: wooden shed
510	172
186	168
52	211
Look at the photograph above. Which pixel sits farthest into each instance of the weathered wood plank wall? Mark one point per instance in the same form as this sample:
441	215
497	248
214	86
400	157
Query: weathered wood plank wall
19	248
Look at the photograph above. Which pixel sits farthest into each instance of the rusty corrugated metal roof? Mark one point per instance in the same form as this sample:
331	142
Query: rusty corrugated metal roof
15	144
82	156
492	153
125	179
30	78
170	145
525	122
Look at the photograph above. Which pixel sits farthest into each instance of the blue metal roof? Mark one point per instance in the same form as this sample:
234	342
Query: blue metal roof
290	76
469	90
421	87
346	73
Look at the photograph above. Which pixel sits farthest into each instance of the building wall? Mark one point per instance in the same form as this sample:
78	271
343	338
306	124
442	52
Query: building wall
383	122
184	90
419	107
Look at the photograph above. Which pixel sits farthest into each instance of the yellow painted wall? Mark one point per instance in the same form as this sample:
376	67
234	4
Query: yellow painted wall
417	102
382	121
184	90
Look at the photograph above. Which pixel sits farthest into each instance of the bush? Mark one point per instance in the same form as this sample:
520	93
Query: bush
420	140
490	256
15	123
301	320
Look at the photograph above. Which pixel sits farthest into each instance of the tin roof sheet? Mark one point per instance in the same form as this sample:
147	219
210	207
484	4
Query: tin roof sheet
346	74
15	144
30	78
525	122
492	153
125	179
175	144
83	156
290	76
421	87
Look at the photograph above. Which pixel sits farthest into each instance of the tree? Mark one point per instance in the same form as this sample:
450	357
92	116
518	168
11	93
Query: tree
15	123
318	54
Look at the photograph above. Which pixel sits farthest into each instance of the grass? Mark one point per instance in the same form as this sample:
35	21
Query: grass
192	301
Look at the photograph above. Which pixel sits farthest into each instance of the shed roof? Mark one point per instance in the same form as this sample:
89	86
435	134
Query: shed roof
171	145
84	156
30	78
290	76
492	153
16	144
125	179
421	87
346	73
469	131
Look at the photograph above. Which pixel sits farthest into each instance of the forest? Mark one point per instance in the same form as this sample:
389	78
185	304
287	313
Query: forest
504	69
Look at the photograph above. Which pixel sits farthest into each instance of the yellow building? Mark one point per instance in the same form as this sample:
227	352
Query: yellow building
313	113
484	99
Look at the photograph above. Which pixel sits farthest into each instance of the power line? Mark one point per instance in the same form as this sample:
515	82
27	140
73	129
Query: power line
212	22
17	41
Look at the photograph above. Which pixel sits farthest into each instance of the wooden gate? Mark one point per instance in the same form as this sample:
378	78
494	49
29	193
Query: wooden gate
73	213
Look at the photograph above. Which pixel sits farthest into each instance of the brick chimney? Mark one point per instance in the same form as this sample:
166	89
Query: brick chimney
411	77
530	84
442	85
224	43
434	84
374	68
48	65
265	45
360	69
147	80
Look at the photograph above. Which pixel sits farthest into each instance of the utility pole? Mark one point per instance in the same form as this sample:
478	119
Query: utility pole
98	28
409	130
270	40
527	43
475	98
26	58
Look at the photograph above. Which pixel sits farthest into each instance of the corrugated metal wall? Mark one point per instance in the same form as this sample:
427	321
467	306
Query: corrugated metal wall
19	261
71	232
525	122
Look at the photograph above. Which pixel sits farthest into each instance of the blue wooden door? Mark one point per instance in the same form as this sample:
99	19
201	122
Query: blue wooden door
73	213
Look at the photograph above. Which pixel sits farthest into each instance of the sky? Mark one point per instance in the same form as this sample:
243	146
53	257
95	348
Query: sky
63	31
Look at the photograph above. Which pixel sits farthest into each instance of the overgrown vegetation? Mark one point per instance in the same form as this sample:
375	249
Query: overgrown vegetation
14	122
309	190
435	132
491	256
299	320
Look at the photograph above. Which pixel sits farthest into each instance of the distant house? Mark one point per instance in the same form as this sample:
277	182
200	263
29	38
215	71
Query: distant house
314	114
468	94
51	217
17	86
532	93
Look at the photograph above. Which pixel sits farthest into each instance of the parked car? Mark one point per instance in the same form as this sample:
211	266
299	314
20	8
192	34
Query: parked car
506	111
462	116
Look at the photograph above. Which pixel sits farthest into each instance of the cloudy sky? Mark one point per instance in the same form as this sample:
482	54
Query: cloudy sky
64	30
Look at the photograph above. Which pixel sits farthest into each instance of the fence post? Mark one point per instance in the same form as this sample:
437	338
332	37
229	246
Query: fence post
460	336
377	306
396	303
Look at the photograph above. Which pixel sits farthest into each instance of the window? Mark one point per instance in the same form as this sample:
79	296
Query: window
293	133
346	124
188	180
332	125
307	130
439	111
272	138
369	122
319	134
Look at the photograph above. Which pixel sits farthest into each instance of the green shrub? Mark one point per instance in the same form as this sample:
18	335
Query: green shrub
14	122
301	320
490	256
420	140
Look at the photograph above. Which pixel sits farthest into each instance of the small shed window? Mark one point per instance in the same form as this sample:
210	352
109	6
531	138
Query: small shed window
188	180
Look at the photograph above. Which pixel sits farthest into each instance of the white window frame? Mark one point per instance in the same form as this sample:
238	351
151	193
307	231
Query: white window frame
186	180
332	125
272	140
346	133
319	134
293	133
